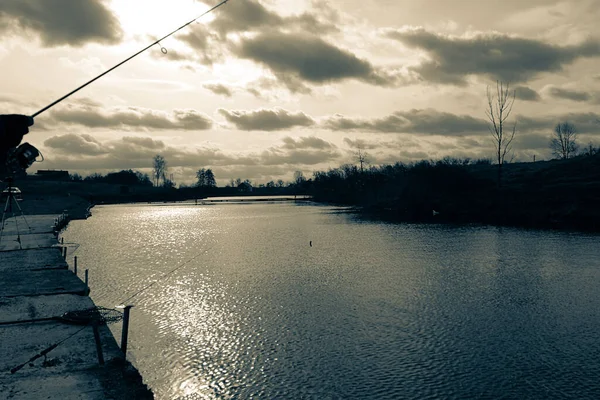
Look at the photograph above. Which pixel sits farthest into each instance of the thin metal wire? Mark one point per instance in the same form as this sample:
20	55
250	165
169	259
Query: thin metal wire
124	61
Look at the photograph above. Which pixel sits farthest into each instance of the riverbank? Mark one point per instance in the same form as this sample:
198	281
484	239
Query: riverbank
558	194
41	354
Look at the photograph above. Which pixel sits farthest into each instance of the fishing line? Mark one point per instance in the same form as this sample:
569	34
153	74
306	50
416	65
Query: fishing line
44	352
162	49
86	317
167	274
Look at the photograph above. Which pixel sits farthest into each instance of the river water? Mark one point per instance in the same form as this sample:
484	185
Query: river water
244	307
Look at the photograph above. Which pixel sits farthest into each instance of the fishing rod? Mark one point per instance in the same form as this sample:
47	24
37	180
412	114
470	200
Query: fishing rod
17	159
127	59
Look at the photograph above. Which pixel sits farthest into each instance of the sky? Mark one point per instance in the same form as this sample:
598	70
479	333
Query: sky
258	89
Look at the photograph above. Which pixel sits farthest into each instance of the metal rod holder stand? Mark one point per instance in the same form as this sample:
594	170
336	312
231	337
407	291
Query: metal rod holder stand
125	330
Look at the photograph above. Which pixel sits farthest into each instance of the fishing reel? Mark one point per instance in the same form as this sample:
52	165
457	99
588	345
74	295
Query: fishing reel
20	158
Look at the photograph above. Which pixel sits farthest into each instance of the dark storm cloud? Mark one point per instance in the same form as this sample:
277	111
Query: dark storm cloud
569	94
294	58
131	117
218	88
266	120
308	142
62	22
527	94
493	55
428	121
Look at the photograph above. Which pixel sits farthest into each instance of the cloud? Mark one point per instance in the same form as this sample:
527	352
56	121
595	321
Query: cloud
131	117
585	123
361	144
144	142
527	94
309	142
569	94
219	88
266	89
84	145
532	141
297	157
298	58
451	59
62	22
266	120
251	15
427	121
84	154
207	46
244	16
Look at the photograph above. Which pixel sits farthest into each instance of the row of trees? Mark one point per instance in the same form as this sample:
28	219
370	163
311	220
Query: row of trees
125	177
205	178
563	144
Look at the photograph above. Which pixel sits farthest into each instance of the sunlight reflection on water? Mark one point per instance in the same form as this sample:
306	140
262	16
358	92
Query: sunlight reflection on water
371	310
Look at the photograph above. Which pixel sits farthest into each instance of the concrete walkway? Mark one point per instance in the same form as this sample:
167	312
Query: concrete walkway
36	287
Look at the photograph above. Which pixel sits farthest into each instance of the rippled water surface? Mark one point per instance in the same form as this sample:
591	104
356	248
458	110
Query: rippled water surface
370	311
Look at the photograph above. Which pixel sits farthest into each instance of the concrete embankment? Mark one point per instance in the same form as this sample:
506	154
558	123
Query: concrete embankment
42	355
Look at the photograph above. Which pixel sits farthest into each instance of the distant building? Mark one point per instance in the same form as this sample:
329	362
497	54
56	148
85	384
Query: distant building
52	175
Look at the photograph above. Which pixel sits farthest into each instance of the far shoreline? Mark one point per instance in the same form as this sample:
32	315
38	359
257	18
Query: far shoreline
81	209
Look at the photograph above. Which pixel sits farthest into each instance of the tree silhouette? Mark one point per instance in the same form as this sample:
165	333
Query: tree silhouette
499	108
564	142
205	178
210	179
159	168
362	157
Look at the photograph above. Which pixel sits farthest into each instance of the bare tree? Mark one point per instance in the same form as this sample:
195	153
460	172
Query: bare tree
361	157
159	168
499	108
564	141
590	149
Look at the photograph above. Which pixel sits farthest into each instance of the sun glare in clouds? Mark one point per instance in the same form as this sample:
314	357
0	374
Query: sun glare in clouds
157	17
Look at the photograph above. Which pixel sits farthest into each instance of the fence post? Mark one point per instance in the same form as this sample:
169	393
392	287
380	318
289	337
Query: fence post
75	265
